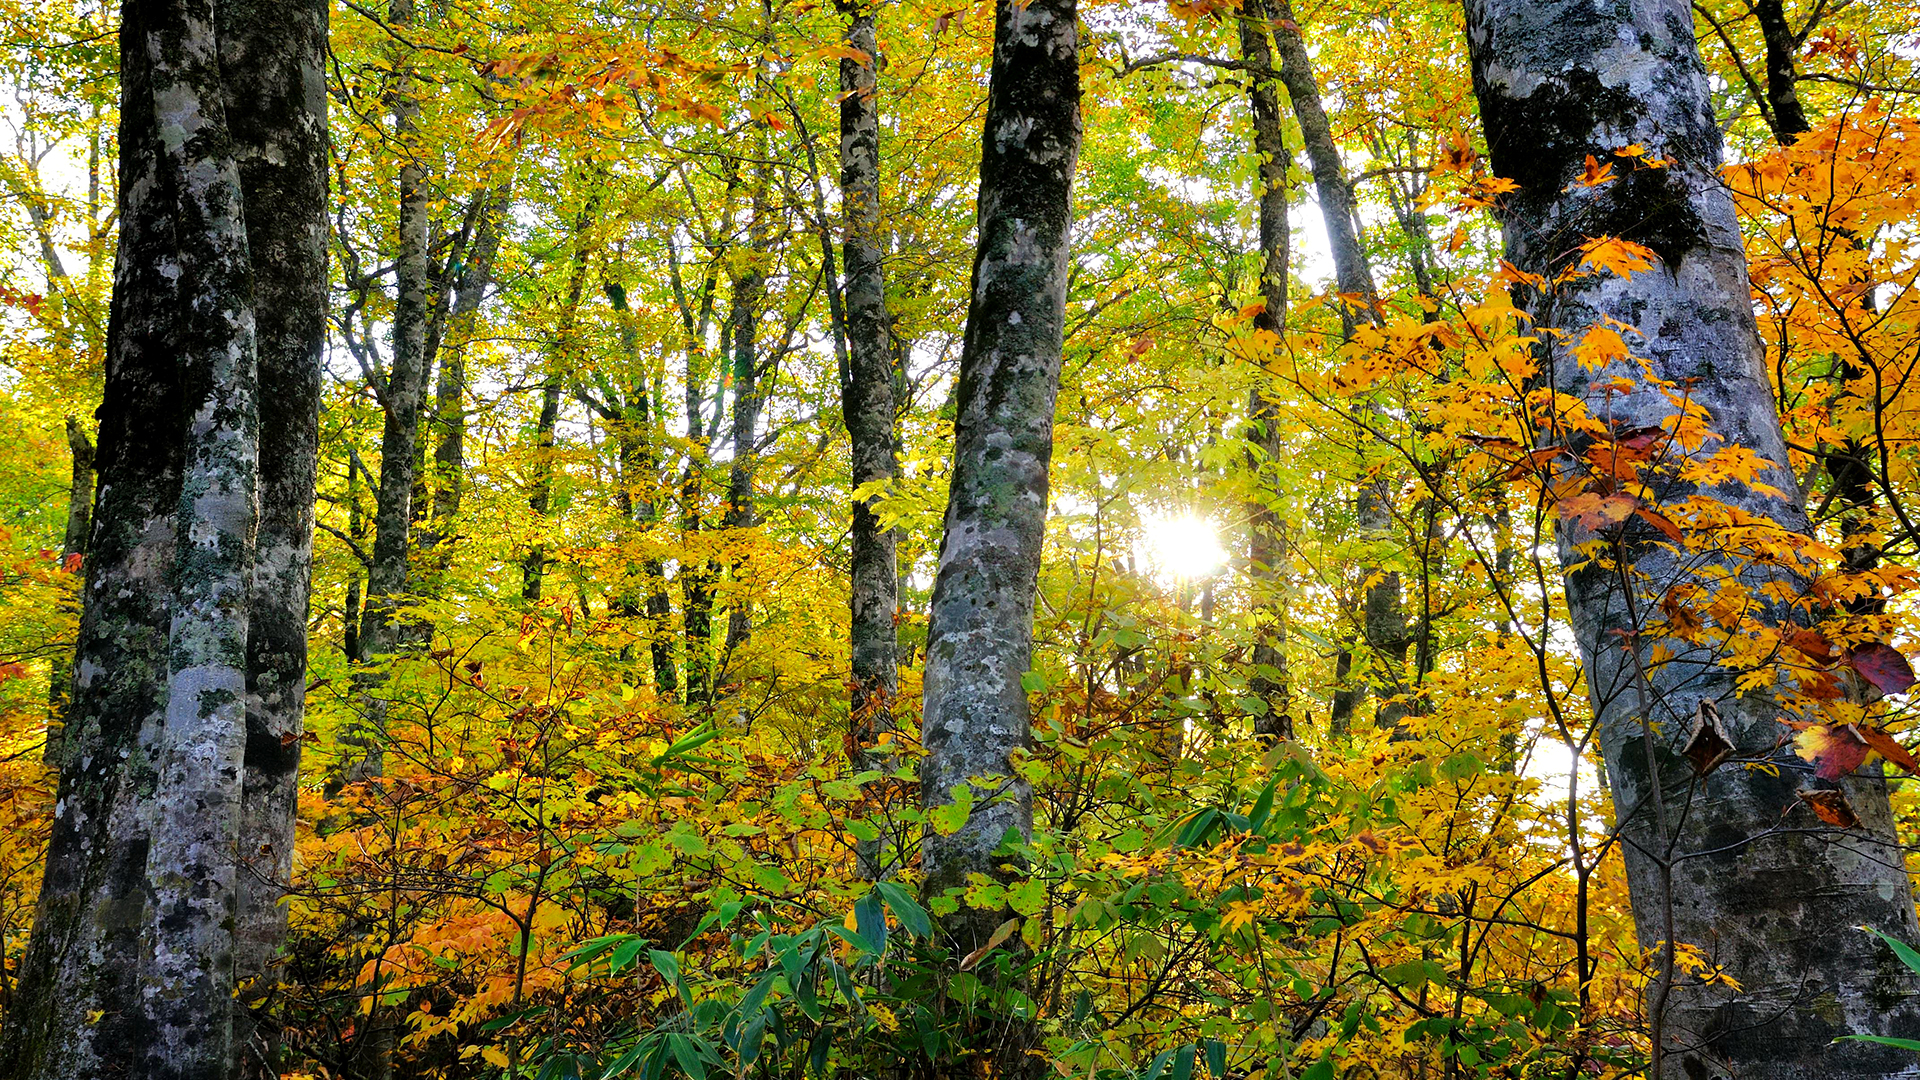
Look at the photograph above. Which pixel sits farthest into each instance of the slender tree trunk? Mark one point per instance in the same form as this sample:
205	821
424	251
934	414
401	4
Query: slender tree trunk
867	403
357	532
1708	861
388	577
449	423
534	566
1383	621
749	295
281	142
980	640
1267	542
73	546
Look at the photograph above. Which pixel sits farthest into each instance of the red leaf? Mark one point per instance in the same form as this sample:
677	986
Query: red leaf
1883	666
1834	751
1884	745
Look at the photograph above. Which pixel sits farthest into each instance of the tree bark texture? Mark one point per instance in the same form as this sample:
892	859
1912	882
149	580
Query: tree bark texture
1784	113
388	575
749	296
1776	907
146	923
1267	544
867	399
980	637
278	121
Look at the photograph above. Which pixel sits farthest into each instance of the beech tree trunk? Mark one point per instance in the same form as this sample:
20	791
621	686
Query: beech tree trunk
749	296
147	923
1267	544
980	636
1382	616
400	397
1731	864
867	397
280	138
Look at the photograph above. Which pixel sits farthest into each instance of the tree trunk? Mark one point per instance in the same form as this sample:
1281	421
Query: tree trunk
449	423
281	141
1785	115
980	637
1267	543
143	923
72	547
388	575
749	294
1708	862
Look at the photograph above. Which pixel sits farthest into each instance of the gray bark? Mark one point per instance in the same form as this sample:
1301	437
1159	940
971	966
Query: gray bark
388	576
1382	618
867	398
1729	864
533	567
1267	543
749	295
280	139
141	931
449	421
980	637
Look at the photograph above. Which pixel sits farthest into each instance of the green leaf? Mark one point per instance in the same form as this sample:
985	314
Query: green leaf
666	965
1217	1059
1183	1063
1157	1066
1884	1040
1901	949
913	918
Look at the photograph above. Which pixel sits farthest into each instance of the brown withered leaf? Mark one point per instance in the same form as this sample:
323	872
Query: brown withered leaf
1000	934
1830	806
1708	746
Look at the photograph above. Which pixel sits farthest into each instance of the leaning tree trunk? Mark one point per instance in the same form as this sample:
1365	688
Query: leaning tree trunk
980	637
280	138
1708	862
1267	544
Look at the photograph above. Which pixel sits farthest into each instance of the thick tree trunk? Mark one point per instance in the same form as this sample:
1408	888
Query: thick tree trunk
980	638
142	929
1267	542
82	960
280	137
72	546
1708	862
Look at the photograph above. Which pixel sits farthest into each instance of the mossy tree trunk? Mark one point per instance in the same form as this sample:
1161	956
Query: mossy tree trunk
1728	863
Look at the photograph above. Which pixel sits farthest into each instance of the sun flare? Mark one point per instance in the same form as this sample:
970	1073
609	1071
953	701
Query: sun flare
1183	546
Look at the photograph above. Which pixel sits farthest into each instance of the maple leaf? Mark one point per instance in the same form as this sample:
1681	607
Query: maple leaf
1596	512
1623	258
1883	666
1884	745
1594	174
1600	346
1835	750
